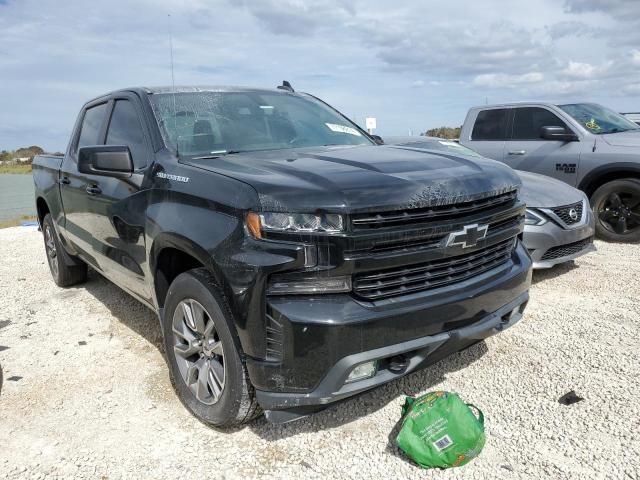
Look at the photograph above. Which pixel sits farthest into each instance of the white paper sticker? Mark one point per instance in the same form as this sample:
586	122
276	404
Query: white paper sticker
343	129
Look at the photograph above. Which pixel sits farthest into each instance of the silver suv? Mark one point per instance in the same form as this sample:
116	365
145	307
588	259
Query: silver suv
585	145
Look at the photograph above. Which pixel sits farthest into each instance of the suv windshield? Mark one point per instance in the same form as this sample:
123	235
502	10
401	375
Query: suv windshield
598	119
211	123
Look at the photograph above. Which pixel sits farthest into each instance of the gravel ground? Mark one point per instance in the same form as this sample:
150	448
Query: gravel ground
87	393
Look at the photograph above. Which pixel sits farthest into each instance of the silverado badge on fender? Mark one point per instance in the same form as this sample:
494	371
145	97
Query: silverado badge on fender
468	236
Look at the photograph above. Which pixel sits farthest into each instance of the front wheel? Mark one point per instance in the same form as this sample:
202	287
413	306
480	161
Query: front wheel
616	205
204	361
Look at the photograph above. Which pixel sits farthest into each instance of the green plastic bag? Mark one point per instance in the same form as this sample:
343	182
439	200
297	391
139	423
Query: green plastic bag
440	430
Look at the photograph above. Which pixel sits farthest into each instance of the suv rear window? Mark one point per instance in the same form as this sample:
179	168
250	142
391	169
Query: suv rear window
528	122
490	125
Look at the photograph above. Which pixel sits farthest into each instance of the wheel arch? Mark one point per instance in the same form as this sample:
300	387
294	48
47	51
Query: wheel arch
42	208
607	173
173	254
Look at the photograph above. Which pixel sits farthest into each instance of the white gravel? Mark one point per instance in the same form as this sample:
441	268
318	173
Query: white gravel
93	399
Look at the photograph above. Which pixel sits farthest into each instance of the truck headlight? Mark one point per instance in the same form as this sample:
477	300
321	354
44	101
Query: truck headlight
280	285
533	218
293	222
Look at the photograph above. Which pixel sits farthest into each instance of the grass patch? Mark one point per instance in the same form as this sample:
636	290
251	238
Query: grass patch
16	221
16	168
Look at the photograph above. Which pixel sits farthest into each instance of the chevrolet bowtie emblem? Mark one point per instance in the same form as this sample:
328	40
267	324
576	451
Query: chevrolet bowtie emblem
468	236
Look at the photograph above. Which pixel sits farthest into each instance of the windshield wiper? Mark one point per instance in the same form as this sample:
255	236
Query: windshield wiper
219	154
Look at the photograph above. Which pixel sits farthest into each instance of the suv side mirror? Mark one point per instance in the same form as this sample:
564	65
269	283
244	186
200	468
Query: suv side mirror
106	160
558	133
378	139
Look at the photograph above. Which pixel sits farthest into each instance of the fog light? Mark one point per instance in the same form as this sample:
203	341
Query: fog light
362	371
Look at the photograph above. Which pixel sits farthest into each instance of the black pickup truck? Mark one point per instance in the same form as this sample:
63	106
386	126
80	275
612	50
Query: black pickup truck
292	260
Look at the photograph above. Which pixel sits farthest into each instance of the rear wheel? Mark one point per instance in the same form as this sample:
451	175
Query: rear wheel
65	270
616	205
204	361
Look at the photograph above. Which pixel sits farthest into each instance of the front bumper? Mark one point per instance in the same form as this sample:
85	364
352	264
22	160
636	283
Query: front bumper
545	242
324	337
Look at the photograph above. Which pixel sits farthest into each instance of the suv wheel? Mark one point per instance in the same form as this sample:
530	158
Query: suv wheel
206	369
616	205
65	270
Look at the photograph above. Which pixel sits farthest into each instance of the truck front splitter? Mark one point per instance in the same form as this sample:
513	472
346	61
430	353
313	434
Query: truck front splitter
416	354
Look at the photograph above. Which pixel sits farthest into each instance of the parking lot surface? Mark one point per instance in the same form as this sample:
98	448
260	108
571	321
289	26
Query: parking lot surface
87	393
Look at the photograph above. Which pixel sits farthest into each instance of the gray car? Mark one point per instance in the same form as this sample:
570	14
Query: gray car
586	145
559	224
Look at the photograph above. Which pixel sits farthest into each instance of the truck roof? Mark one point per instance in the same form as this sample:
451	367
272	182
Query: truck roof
515	104
530	102
190	88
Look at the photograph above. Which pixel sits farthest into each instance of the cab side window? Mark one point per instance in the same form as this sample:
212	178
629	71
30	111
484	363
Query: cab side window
125	129
490	125
528	122
91	125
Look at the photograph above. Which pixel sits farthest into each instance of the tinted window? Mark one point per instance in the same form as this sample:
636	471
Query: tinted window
125	129
91	124
528	121
490	125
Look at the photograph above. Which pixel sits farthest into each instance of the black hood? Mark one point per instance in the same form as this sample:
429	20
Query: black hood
362	178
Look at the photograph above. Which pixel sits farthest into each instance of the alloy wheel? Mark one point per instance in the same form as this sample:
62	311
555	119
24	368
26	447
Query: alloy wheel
198	350
620	212
52	252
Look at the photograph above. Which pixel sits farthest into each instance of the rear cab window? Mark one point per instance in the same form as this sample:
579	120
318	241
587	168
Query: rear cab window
491	125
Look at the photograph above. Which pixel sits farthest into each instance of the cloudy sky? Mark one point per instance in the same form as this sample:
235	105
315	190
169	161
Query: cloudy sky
413	64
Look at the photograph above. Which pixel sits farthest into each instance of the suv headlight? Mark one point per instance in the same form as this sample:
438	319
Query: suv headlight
533	218
293	222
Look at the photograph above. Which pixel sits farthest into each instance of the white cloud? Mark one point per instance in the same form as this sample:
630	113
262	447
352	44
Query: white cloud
361	55
584	71
496	80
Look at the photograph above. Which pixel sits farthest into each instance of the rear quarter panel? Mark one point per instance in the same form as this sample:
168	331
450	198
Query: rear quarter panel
46	173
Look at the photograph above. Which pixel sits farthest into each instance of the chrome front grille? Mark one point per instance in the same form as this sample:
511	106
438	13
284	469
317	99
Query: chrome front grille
434	274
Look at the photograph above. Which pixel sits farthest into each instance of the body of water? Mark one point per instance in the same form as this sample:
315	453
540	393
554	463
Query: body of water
16	196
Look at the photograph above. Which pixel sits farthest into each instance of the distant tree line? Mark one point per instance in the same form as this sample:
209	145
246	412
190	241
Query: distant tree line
24	152
444	132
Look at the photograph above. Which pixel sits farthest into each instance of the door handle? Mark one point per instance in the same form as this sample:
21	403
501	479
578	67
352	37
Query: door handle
517	152
94	190
65	181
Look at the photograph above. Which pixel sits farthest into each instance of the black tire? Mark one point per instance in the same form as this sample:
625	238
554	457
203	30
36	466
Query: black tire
616	206
235	402
65	269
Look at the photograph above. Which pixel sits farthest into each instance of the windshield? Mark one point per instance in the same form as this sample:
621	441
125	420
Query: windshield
218	123
598	119
442	145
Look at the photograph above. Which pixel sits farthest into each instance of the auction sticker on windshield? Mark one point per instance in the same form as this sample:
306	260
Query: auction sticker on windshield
343	129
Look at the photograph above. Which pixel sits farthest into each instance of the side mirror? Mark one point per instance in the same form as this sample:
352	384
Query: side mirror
106	160
558	133
377	139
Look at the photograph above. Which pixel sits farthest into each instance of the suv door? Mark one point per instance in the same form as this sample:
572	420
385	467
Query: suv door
118	205
525	148
489	133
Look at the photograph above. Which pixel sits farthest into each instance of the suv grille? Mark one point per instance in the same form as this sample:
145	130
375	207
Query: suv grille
434	274
569	249
440	212
563	213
